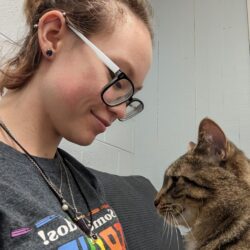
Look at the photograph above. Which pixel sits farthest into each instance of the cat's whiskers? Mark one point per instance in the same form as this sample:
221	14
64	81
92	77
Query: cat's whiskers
171	229
163	208
178	205
188	226
168	225
165	227
185	221
177	224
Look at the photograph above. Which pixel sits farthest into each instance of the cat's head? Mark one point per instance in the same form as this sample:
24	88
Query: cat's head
209	178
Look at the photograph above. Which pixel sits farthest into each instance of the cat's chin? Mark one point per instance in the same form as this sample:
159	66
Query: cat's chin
178	215
186	218
184	230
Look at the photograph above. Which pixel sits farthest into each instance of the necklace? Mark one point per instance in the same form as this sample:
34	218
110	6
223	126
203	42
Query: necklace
79	219
66	205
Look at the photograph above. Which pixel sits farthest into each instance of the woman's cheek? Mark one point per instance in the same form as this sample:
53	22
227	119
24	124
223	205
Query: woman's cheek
79	95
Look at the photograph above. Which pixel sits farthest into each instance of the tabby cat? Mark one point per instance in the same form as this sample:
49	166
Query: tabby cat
208	190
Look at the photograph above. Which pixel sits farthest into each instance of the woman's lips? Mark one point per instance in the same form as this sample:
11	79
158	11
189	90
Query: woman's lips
102	121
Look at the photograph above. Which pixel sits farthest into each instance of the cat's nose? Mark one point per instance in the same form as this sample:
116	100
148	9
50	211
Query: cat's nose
156	202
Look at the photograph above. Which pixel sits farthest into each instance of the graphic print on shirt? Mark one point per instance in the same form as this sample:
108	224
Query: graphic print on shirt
56	232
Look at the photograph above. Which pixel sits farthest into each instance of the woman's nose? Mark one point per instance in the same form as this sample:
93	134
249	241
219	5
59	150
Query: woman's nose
119	111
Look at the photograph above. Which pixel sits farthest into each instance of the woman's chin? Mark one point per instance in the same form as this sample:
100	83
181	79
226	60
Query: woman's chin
84	140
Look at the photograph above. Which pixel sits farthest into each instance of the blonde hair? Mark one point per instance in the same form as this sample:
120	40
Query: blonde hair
89	16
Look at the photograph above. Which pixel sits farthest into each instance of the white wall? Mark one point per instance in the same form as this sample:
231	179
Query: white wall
11	24
201	68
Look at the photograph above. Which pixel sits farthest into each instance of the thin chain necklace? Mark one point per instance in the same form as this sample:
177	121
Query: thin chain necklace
79	219
64	207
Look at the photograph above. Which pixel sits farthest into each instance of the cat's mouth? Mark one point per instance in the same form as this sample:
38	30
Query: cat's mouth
170	209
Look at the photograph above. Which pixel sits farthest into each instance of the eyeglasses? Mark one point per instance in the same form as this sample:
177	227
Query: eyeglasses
120	89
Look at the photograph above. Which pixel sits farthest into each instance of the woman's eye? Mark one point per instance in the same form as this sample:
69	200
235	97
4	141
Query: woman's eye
118	85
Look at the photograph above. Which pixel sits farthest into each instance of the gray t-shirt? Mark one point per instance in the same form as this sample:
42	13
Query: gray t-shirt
31	216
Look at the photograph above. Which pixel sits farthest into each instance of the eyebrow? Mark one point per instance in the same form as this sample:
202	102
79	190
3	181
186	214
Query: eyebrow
123	63
129	72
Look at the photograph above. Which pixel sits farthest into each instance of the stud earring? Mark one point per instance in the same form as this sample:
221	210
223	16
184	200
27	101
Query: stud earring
49	52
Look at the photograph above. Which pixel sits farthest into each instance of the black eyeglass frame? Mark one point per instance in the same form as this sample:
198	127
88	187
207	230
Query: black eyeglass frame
119	75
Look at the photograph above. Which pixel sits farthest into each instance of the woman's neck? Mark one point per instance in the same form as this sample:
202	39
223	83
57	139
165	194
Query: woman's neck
28	123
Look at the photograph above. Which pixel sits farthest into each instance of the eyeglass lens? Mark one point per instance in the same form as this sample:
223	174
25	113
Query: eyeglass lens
119	92
133	108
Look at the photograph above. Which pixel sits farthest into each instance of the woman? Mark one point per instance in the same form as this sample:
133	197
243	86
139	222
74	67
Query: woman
77	72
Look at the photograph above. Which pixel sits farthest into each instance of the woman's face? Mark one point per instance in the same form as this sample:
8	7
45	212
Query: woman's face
75	78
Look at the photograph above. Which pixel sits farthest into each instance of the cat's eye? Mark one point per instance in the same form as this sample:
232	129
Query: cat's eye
175	179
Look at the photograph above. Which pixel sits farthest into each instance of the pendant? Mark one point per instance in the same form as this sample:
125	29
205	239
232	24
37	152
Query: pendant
80	222
94	236
65	207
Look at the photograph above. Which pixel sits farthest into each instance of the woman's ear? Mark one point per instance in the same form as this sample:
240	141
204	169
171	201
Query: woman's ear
51	28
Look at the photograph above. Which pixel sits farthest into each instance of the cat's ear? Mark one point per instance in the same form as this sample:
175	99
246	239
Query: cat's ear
191	146
212	139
